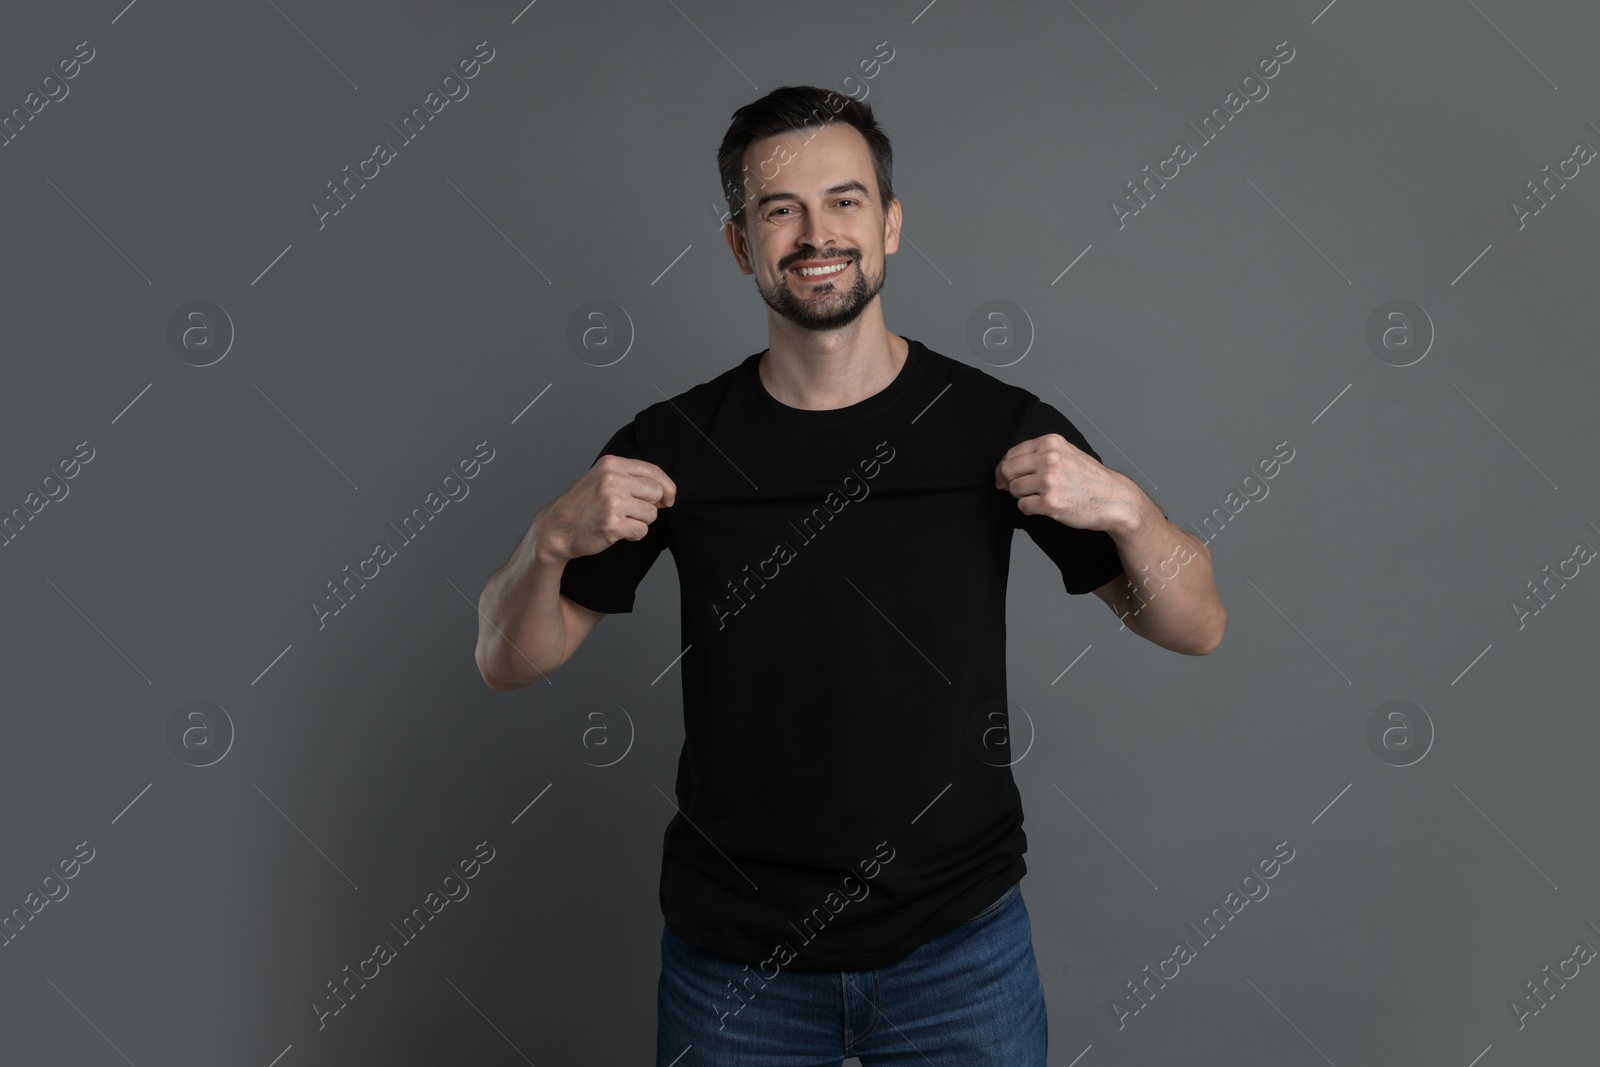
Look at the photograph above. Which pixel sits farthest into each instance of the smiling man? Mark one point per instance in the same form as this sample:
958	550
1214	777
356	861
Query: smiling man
842	877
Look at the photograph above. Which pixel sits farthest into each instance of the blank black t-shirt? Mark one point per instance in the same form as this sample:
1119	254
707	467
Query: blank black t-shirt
844	788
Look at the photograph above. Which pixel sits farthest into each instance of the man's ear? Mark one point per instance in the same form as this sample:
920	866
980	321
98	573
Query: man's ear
891	228
735	237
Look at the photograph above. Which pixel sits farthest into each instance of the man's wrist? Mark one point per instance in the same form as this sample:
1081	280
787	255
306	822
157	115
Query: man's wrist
548	550
1134	513
545	556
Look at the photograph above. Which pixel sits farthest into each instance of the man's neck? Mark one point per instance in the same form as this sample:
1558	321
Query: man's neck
819	372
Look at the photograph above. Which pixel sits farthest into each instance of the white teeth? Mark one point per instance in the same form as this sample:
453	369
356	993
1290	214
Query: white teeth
811	272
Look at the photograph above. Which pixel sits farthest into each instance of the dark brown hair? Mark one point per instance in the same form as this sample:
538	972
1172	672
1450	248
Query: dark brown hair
797	107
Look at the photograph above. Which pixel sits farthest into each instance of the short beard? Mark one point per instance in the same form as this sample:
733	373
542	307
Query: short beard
783	300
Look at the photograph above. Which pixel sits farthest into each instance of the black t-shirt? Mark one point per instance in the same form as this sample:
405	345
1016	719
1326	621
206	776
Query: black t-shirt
844	787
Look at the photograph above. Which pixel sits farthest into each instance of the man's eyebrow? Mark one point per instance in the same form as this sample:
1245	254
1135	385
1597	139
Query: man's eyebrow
842	187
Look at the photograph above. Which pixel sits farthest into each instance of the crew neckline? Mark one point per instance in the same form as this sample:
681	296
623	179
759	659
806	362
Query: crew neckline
871	405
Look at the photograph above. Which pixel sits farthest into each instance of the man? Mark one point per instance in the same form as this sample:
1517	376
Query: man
842	876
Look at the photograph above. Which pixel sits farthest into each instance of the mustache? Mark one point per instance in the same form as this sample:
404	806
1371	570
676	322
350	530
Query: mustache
852	256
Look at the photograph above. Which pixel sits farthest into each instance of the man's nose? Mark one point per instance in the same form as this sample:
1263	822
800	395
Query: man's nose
818	233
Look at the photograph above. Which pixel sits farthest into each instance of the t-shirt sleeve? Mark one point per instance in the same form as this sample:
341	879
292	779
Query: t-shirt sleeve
1087	559
606	580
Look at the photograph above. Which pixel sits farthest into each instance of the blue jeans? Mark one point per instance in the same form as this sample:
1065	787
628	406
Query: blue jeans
970	996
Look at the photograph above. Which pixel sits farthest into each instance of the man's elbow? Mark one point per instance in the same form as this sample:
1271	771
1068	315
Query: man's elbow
1215	638
493	678
499	673
502	687
1202	645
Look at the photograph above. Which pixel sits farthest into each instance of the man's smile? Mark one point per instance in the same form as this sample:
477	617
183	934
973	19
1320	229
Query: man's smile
816	270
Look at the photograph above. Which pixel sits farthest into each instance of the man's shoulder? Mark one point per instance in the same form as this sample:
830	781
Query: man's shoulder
696	402
984	391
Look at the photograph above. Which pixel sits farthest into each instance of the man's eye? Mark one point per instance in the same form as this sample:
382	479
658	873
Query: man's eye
847	201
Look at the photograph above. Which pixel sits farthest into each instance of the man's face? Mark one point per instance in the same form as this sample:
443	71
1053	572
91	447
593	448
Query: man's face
813	204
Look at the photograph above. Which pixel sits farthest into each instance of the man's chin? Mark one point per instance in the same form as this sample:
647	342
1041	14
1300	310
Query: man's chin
823	324
823	310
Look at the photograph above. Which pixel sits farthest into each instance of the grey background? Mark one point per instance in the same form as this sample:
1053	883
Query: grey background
1228	316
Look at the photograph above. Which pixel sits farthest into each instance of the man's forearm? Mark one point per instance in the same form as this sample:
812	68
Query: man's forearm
1174	590
522	632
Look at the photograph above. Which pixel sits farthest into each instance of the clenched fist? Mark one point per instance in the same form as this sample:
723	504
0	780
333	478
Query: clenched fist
616	498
